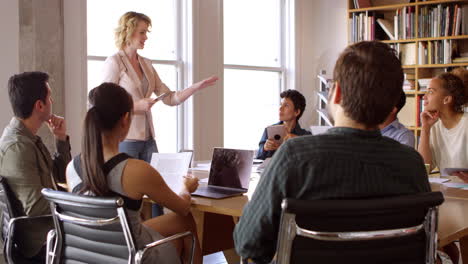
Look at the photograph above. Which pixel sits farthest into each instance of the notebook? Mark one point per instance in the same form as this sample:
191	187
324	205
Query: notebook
172	167
229	173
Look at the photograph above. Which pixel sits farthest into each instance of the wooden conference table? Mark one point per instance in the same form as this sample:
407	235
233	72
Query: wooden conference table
216	218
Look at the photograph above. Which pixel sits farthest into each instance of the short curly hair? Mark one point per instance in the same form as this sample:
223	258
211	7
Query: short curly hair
454	83
298	100
128	22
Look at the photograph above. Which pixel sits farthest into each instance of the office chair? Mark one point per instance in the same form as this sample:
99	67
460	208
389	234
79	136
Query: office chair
94	230
16	226
401	229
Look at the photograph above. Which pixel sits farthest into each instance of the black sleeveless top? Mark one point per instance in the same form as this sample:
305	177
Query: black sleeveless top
129	203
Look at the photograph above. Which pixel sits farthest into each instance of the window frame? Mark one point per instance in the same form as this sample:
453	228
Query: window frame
286	51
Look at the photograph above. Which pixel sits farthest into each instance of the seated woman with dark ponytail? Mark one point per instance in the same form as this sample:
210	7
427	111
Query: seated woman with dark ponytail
101	170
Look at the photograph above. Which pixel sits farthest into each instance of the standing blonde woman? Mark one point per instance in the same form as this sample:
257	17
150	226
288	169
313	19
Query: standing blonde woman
136	75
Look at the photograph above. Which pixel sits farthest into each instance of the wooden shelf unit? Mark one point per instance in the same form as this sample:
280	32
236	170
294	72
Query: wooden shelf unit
324	83
419	70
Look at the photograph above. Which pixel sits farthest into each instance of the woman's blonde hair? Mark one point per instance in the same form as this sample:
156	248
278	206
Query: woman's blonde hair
128	22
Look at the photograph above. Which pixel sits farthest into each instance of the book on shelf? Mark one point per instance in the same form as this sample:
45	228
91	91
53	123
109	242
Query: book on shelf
442	20
362	3
423	83
387	27
408	85
363	26
408	53
422	52
464	20
390	2
404	23
436	52
460	60
409	82
409	75
420	107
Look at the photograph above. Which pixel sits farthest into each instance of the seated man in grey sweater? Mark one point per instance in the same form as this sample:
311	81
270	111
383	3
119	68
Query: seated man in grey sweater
352	159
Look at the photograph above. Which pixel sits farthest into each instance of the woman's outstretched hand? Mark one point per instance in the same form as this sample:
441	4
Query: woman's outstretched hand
205	83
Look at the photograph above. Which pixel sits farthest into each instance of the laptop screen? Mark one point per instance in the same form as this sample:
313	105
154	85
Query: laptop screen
231	168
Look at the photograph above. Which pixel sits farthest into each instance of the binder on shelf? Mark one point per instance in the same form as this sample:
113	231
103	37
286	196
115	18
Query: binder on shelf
387	27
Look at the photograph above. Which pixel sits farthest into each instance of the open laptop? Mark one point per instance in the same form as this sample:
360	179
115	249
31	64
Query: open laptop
229	173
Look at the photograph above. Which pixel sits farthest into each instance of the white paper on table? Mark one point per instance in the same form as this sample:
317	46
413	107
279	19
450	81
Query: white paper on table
172	167
262	166
438	180
202	166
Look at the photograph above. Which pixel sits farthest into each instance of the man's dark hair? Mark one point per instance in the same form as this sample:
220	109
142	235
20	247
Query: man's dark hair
371	79
24	90
401	101
298	100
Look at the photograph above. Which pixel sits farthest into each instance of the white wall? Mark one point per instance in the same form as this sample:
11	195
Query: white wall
9	64
321	35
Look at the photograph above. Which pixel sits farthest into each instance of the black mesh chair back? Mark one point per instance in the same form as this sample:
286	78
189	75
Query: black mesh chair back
95	230
385	230
10	206
89	229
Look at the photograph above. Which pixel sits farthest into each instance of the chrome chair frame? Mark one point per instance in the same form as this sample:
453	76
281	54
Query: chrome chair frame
289	230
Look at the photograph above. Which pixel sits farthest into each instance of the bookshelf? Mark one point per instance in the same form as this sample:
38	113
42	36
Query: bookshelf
430	36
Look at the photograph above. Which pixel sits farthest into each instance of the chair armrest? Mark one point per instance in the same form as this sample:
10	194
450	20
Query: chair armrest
51	246
26	219
139	255
19	230
19	225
